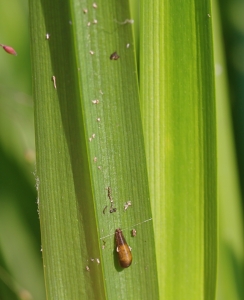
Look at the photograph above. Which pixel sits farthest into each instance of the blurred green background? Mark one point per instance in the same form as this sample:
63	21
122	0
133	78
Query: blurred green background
21	274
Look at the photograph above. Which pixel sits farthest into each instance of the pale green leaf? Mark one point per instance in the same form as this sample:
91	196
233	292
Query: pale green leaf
178	108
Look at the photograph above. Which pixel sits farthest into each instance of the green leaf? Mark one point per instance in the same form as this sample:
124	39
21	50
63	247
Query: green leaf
84	147
178	108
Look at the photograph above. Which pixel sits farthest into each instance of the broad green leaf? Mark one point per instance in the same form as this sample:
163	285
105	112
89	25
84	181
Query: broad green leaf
85	146
178	108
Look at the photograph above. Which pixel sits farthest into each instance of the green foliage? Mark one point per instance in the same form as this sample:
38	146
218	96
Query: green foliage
231	242
178	108
21	274
89	121
159	138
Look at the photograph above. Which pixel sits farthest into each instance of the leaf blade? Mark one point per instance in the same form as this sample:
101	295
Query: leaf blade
72	188
178	108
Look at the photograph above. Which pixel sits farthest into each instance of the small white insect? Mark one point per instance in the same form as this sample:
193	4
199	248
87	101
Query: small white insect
95	159
94	5
87	268
90	139
93	135
96	101
95	21
99	167
47	36
54	81
98	119
127	46
85	10
98	261
127	204
91	52
88	24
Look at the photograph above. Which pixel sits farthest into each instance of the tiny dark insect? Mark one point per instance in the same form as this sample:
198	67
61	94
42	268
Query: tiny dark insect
123	250
114	56
109	194
112	210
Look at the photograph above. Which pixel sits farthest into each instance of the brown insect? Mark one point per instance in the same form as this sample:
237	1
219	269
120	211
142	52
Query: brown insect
123	250
114	56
